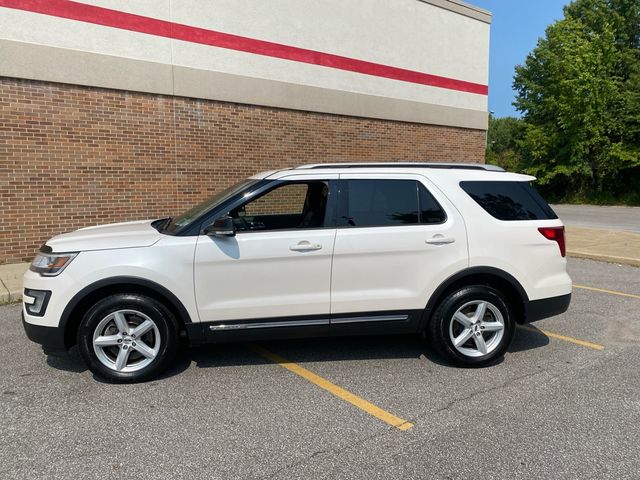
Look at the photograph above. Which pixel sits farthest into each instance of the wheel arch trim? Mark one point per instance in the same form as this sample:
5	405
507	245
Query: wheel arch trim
439	292
66	318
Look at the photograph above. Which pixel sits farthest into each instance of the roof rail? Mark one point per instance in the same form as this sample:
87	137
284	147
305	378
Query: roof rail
455	166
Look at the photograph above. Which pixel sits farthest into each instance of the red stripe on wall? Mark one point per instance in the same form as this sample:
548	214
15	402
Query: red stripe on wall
162	28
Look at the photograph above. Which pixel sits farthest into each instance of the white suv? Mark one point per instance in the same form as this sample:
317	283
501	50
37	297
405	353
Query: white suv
458	253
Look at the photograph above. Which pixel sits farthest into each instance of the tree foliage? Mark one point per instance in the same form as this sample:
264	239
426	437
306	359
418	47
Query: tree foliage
502	142
579	93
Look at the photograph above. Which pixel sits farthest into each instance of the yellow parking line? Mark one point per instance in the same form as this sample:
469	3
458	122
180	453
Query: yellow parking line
332	388
557	336
603	290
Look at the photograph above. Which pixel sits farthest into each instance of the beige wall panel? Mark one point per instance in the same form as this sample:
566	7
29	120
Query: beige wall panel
410	34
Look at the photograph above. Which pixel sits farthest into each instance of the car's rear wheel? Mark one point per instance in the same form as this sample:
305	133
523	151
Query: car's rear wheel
128	338
472	326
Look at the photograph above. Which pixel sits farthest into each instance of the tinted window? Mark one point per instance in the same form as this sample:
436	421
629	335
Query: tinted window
287	206
509	200
430	210
195	213
285	200
373	203
379	203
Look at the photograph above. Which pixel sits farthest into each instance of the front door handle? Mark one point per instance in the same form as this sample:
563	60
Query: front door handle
305	246
440	240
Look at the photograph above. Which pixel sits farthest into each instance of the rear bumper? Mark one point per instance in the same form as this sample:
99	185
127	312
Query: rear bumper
51	338
546	307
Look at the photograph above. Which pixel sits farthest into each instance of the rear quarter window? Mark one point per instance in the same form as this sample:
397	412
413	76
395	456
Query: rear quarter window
509	200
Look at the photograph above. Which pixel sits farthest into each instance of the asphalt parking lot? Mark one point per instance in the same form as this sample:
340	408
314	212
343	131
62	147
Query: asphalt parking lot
597	216
561	405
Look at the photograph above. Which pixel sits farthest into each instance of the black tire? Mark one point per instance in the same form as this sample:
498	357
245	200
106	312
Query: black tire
439	334
166	329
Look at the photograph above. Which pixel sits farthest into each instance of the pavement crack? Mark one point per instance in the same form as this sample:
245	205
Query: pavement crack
340	449
290	466
456	401
391	430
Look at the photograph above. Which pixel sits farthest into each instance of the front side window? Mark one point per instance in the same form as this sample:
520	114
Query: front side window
381	203
195	213
288	206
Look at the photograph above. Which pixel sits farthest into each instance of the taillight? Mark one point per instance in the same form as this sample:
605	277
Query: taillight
556	234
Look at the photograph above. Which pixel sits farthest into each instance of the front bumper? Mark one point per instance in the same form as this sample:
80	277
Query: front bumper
546	307
51	338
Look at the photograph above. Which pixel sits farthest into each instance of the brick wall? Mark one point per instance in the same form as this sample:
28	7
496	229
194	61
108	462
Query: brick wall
286	200
73	156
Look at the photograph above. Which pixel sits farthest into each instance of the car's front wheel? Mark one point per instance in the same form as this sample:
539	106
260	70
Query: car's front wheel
472	326
128	338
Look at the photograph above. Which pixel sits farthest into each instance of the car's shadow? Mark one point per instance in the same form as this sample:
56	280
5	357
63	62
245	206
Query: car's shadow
69	362
337	349
301	351
527	339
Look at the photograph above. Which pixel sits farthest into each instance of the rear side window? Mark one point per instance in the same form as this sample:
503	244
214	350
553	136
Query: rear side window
430	209
380	203
509	200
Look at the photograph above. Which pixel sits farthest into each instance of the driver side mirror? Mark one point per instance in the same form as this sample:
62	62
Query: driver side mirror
221	227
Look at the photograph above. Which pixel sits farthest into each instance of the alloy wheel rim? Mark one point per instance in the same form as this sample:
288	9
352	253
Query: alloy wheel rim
126	341
477	328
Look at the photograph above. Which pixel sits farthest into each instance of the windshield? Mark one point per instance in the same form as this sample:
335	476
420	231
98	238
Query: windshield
196	212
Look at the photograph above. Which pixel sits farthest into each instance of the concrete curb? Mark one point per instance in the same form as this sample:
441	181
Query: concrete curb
634	262
603	245
7	297
5	294
11	282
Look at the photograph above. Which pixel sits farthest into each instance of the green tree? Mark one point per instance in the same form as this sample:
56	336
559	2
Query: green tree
579	93
502	142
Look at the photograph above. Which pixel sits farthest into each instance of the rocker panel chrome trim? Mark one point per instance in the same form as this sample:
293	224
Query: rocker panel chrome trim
380	318
247	326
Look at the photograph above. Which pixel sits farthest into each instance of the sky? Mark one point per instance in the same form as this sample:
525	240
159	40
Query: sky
515	29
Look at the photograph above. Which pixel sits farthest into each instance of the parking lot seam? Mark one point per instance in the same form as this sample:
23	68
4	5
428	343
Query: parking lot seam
604	290
452	403
334	389
557	336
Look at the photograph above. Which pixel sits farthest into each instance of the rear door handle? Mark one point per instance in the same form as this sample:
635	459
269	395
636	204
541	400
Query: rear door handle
305	246
440	240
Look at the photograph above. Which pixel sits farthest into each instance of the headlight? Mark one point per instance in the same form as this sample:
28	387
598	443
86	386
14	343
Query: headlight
51	264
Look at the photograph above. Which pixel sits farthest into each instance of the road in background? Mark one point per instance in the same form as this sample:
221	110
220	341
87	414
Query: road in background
552	409
612	218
